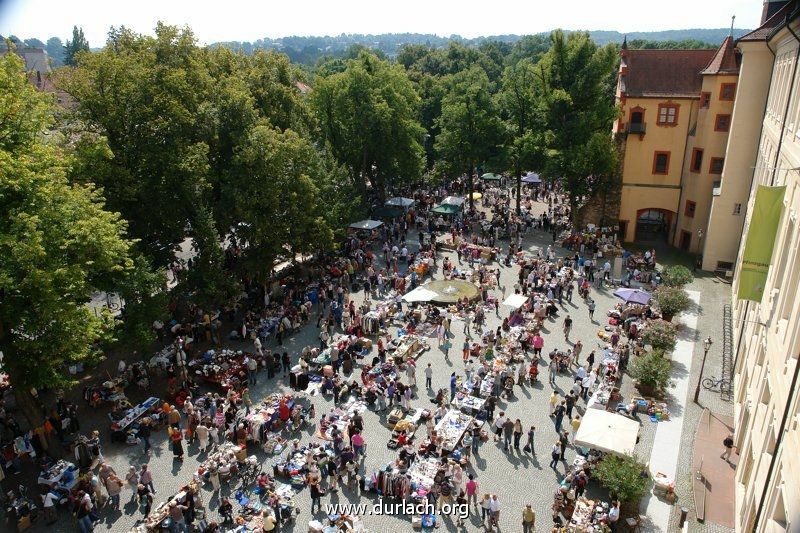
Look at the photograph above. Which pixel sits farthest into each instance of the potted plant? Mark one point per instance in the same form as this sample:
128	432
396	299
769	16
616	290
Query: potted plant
671	301
676	276
661	335
652	372
625	477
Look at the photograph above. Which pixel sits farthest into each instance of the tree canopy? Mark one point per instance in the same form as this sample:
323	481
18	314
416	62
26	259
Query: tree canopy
59	245
368	116
73	47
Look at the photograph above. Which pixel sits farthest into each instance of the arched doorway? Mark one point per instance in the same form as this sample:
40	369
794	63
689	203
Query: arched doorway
653	225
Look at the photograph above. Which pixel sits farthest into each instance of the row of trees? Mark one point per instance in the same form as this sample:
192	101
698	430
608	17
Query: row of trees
165	141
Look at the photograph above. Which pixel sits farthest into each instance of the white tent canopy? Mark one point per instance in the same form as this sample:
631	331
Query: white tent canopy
398	201
454	200
420	294
366	224
515	300
607	432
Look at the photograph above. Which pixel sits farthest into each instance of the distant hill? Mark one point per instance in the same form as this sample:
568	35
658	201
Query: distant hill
308	50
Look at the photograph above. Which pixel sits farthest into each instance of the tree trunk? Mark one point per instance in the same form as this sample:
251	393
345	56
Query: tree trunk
519	190
469	187
28	406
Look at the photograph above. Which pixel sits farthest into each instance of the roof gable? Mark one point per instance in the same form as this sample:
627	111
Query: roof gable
666	73
725	60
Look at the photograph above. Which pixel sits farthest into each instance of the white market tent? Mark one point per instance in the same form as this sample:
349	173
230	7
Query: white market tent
420	294
515	300
366	225
454	200
607	432
398	201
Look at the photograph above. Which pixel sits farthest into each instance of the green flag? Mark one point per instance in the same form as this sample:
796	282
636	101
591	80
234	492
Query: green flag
760	241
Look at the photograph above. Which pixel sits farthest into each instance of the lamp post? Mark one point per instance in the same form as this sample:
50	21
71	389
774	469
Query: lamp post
706	346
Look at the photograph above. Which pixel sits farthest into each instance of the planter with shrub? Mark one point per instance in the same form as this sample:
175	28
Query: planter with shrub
671	301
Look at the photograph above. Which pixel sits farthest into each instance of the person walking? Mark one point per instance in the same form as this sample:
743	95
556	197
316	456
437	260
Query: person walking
727	444
132	477
570	399
176	437
576	351
567	327
316	495
530	444
428	376
576	424
467	323
146	478
486	511
252	367
498	425
592	307
472	490
494	506
553	402
559	415
114	486
552	369
202	435
528	519
508	433
555	454
564	440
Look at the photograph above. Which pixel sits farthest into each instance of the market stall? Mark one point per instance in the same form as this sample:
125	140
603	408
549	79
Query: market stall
607	432
127	424
467	404
452	428
516	301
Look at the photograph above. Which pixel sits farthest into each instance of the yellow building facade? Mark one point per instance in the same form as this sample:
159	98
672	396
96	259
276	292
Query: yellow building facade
767	333
676	108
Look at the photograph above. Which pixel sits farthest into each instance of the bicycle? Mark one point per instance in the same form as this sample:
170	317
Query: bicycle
714	384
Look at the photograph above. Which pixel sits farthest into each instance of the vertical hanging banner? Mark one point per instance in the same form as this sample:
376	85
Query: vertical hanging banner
760	242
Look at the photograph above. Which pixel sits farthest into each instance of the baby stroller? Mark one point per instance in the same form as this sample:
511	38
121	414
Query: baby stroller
508	387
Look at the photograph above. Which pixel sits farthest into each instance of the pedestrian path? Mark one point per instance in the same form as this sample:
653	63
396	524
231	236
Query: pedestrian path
667	444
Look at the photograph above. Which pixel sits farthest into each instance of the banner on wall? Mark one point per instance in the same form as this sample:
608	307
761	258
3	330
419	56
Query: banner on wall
760	242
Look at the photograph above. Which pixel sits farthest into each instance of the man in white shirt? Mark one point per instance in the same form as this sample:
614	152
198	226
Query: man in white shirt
428	376
494	507
613	515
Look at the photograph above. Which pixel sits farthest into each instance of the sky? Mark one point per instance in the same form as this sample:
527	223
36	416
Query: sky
248	20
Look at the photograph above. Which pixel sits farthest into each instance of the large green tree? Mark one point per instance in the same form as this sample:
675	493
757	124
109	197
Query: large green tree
58	245
74	46
471	130
368	117
521	108
574	81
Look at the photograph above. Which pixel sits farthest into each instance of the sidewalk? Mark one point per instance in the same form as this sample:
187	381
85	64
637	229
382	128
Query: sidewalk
713	491
667	444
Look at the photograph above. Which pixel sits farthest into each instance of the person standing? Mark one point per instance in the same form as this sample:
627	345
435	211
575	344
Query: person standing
528	519
613	515
146	478
176	437
564	440
144	434
202	435
553	402
411	373
114	486
498	425
428	376
517	433
576	424
576	351
468	370
453	382
467	323
592	307
316	496
494	507
465	351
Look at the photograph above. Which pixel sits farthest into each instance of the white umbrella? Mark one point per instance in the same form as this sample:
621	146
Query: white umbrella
400	202
420	294
515	300
607	432
366	224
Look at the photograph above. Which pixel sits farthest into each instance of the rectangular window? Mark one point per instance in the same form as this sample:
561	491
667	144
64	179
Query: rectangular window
722	123
690	207
705	99
715	167
727	91
661	163
737	209
697	160
668	114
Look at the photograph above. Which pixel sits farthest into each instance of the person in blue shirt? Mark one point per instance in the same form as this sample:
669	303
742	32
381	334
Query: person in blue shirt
452	386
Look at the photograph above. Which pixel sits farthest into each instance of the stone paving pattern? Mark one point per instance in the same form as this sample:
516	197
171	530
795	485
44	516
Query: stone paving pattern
516	478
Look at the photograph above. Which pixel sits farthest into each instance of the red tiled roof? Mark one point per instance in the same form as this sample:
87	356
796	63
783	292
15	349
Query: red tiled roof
667	73
724	61
760	33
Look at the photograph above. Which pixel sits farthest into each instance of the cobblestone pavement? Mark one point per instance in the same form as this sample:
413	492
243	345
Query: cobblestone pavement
516	478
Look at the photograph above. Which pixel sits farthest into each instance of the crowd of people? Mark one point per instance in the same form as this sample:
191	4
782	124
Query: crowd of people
338	295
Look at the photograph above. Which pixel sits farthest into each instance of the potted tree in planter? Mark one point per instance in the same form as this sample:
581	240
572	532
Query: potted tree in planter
676	276
625	477
652	372
661	335
671	301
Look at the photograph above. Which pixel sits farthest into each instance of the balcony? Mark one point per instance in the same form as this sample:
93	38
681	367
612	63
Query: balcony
637	127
